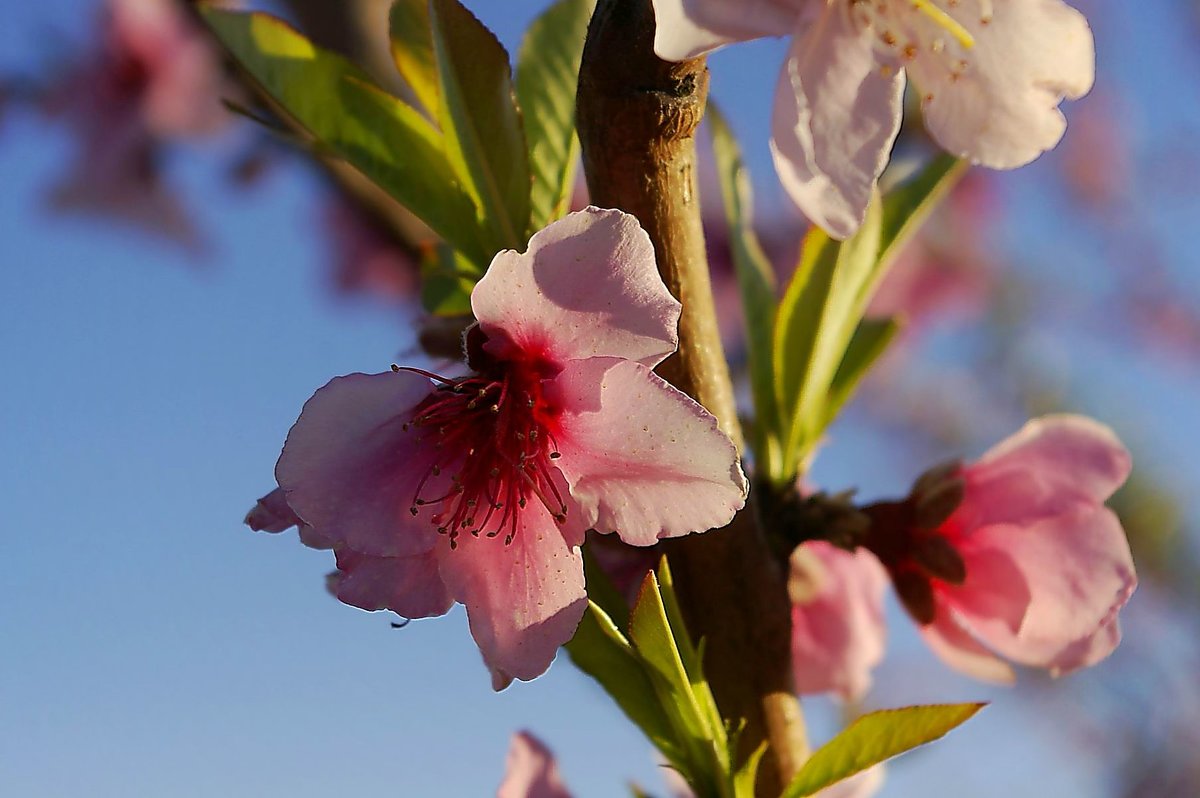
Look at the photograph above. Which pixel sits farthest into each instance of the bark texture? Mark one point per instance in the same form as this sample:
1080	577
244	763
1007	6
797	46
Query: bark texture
637	118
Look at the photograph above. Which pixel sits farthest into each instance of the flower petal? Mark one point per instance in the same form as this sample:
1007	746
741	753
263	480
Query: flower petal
835	118
349	469
1002	110
958	649
408	586
587	286
1079	574
524	599
642	459
1050	465
531	771
838	629
690	28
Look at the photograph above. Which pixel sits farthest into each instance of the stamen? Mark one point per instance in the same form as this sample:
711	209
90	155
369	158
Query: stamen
945	22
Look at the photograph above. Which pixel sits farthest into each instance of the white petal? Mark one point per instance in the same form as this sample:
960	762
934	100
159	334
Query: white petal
837	112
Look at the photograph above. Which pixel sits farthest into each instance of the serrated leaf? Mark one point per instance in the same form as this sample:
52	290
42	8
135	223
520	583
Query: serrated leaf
601	651
547	74
869	341
875	738
412	51
756	282
381	136
479	118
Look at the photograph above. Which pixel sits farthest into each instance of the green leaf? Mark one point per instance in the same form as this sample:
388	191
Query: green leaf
601	590
692	656
756	282
601	651
653	639
821	346
547	74
906	207
381	136
746	774
869	341
480	121
446	282
817	317
874	738
412	51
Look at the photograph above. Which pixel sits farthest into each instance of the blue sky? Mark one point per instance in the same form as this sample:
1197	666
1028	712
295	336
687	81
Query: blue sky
154	646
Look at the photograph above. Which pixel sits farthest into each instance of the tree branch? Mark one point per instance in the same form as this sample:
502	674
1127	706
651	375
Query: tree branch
637	117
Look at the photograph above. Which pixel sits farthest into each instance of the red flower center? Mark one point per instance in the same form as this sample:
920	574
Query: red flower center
492	434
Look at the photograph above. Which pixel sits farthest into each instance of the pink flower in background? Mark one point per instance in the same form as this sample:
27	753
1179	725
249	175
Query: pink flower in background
1016	556
990	76
838	629
367	256
531	771
480	489
155	78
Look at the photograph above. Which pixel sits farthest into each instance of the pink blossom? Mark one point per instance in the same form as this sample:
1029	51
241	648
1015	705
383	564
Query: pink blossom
367	256
1016	556
479	489
155	77
838	629
531	771
990	76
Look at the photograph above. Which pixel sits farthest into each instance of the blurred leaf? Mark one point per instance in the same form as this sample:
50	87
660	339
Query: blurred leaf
446	282
601	651
869	341
817	317
479	119
547	74
412	50
745	776
384	138
908	205
821	351
756	281
874	738
601	590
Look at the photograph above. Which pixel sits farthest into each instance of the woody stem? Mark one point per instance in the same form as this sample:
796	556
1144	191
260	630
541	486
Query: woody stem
637	118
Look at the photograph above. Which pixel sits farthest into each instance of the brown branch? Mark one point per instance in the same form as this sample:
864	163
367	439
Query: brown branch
637	117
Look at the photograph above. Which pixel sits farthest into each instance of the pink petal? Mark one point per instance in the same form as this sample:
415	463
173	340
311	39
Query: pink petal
349	470
408	586
1050	465
838	630
958	649
690	28
531	771
523	600
835	118
1002	109
273	514
996	587
642	459
1078	572
587	286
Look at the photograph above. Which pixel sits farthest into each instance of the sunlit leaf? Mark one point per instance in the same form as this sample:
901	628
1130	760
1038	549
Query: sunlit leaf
869	341
478	116
874	738
412	51
387	140
547	74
